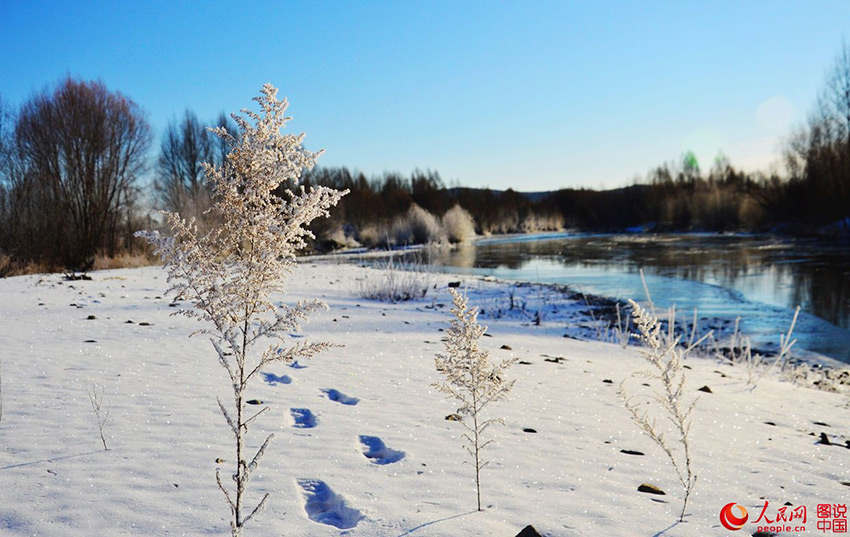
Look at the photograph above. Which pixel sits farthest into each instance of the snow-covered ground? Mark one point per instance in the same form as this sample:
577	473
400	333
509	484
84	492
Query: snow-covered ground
362	446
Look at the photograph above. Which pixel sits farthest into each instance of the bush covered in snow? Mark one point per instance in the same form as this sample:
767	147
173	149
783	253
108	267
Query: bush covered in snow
458	224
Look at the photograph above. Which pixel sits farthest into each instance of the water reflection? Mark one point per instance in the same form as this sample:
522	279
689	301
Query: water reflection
780	272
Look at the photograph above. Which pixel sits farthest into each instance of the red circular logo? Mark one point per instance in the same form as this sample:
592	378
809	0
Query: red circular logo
729	520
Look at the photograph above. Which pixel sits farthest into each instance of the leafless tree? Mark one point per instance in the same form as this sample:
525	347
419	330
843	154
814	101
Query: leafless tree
78	151
180	183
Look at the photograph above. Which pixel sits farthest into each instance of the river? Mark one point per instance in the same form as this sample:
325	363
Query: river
760	278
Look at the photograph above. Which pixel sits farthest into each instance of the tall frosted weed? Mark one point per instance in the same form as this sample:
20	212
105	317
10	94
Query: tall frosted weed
667	399
229	272
471	379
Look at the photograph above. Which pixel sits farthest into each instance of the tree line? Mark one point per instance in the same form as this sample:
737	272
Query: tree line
75	167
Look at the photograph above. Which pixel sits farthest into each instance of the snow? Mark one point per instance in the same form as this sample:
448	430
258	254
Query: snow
362	446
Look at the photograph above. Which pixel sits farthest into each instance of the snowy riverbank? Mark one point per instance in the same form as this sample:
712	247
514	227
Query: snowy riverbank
570	477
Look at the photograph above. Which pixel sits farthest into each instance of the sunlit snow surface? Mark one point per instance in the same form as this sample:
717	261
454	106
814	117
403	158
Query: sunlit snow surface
390	465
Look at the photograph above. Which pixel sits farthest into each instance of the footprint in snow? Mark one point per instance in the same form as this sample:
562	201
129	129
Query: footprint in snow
339	397
271	379
377	452
304	418
325	506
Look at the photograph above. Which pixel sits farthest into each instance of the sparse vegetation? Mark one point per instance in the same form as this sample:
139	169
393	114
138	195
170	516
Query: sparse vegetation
395	282
471	379
668	400
95	394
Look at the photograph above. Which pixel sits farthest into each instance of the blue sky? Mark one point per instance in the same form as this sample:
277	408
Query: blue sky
530	95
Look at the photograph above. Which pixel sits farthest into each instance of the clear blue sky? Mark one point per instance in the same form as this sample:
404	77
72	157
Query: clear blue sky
532	95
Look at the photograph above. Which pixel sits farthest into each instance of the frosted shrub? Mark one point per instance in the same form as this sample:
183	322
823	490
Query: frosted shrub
395	282
668	400
424	226
417	226
229	272
458	224
472	379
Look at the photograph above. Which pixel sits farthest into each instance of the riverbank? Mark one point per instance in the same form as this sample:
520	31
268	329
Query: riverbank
568	460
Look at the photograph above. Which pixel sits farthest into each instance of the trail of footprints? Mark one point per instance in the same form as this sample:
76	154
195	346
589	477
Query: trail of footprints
321	503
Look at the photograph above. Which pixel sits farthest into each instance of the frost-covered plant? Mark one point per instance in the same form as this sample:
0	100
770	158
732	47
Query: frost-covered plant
101	413
472	379
229	272
458	224
417	226
396	282
670	401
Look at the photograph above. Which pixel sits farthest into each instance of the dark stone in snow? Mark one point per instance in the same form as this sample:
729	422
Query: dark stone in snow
822	424
528	531
705	389
529	430
145	324
91	318
454	284
506	347
631	452
523	362
608	381
651	489
824	440
254	402
454	417
129	322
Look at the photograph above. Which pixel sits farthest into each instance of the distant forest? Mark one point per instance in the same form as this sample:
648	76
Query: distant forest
73	161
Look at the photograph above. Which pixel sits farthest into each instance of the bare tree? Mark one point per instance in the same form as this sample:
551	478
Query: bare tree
836	99
81	149
818	154
180	184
